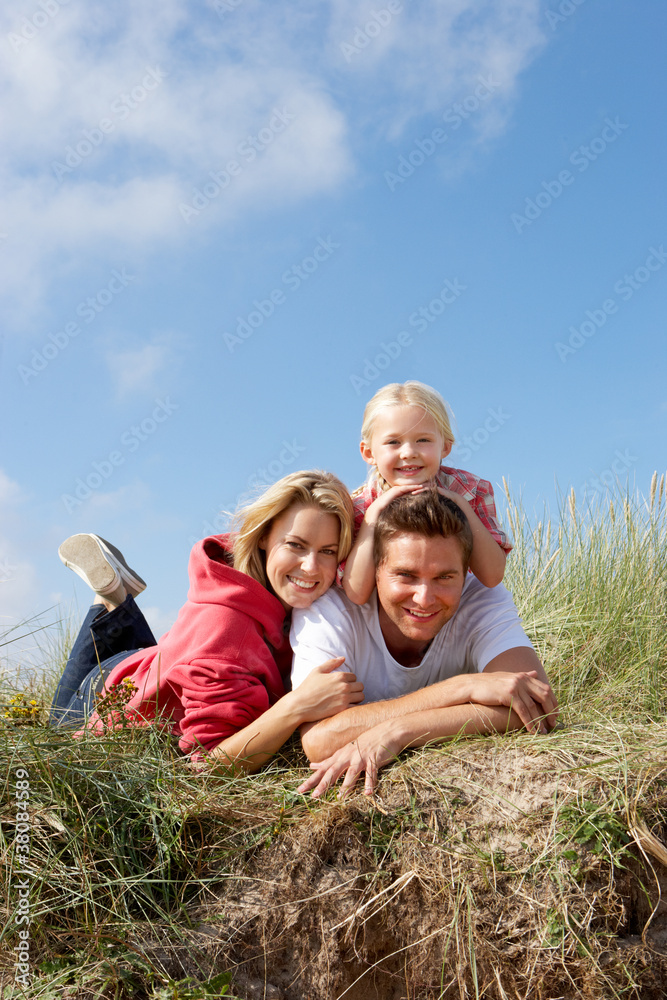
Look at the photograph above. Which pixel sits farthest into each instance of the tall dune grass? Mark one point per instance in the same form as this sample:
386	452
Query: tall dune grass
592	590
134	858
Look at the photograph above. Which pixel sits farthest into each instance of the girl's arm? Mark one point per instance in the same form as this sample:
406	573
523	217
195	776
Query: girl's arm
324	693
488	559
359	576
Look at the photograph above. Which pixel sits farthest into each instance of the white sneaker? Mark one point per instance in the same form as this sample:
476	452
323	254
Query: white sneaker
102	566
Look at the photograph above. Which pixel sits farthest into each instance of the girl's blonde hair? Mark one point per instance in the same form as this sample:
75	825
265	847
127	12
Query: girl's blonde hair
411	393
313	488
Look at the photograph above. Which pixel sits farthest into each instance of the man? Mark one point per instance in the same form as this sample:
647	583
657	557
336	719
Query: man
438	653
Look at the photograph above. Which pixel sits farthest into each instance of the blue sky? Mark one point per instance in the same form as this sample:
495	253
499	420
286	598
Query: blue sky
224	226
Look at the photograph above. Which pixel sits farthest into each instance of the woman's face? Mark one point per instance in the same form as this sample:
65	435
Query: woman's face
301	555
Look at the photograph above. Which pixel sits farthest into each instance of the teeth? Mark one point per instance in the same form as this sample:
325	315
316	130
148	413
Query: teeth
301	583
419	614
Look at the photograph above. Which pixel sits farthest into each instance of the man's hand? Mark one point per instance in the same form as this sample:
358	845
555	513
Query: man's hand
494	701
531	698
369	752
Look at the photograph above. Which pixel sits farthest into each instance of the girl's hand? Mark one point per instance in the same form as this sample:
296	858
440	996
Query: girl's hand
373	511
327	691
456	497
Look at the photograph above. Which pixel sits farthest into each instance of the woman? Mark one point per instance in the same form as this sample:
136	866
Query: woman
218	675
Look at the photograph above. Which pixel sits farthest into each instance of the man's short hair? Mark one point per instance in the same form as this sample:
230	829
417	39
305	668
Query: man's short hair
427	513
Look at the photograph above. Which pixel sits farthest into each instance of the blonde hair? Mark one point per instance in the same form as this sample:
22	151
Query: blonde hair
313	488
410	393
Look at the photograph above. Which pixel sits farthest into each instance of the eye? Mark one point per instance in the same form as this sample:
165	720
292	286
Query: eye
294	545
330	552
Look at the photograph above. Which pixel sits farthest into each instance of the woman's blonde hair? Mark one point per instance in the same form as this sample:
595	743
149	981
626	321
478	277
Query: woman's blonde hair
313	488
411	393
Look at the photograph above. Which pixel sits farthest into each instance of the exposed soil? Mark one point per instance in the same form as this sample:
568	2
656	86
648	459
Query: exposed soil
452	883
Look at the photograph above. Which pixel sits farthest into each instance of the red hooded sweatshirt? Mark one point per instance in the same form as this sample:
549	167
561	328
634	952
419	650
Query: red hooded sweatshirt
223	662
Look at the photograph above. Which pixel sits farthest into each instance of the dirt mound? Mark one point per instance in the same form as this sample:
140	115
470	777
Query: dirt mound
486	870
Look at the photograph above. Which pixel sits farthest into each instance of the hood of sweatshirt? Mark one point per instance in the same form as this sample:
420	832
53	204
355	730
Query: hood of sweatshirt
214	581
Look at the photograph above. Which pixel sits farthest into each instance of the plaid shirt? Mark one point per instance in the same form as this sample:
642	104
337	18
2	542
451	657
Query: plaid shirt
478	492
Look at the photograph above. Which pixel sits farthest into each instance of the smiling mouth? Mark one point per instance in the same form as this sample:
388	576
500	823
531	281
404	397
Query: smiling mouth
420	615
407	469
302	584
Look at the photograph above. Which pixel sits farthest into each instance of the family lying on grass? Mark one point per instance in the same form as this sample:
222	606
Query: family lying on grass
417	641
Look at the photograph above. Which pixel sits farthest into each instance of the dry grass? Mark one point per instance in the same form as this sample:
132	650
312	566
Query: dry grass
523	867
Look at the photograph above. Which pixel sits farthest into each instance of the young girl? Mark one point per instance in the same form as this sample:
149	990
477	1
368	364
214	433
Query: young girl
405	435
217	677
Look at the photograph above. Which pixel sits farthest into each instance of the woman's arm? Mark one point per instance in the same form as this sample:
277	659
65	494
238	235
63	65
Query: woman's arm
325	692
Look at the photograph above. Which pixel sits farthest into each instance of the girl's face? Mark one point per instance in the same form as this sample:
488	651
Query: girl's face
406	446
301	555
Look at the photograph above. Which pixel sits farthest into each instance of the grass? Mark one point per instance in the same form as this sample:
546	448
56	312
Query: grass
497	867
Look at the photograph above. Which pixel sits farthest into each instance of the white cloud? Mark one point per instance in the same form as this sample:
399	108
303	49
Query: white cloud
10	492
18	577
145	369
114	115
159	621
133	496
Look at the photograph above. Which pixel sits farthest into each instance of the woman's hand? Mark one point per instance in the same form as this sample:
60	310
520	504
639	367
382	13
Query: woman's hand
327	691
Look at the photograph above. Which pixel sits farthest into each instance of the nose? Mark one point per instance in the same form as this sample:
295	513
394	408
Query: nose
406	449
309	562
423	595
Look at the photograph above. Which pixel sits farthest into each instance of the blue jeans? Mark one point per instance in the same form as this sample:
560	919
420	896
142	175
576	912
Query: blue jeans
105	639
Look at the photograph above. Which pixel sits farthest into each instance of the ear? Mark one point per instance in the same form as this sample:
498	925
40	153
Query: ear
447	448
366	453
261	544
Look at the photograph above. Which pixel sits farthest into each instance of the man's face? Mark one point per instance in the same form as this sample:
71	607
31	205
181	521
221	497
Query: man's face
419	586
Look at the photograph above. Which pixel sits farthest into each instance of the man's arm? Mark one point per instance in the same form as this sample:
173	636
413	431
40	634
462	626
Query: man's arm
381	744
514	679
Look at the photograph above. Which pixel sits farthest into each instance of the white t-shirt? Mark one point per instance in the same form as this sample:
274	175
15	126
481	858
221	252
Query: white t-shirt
485	625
